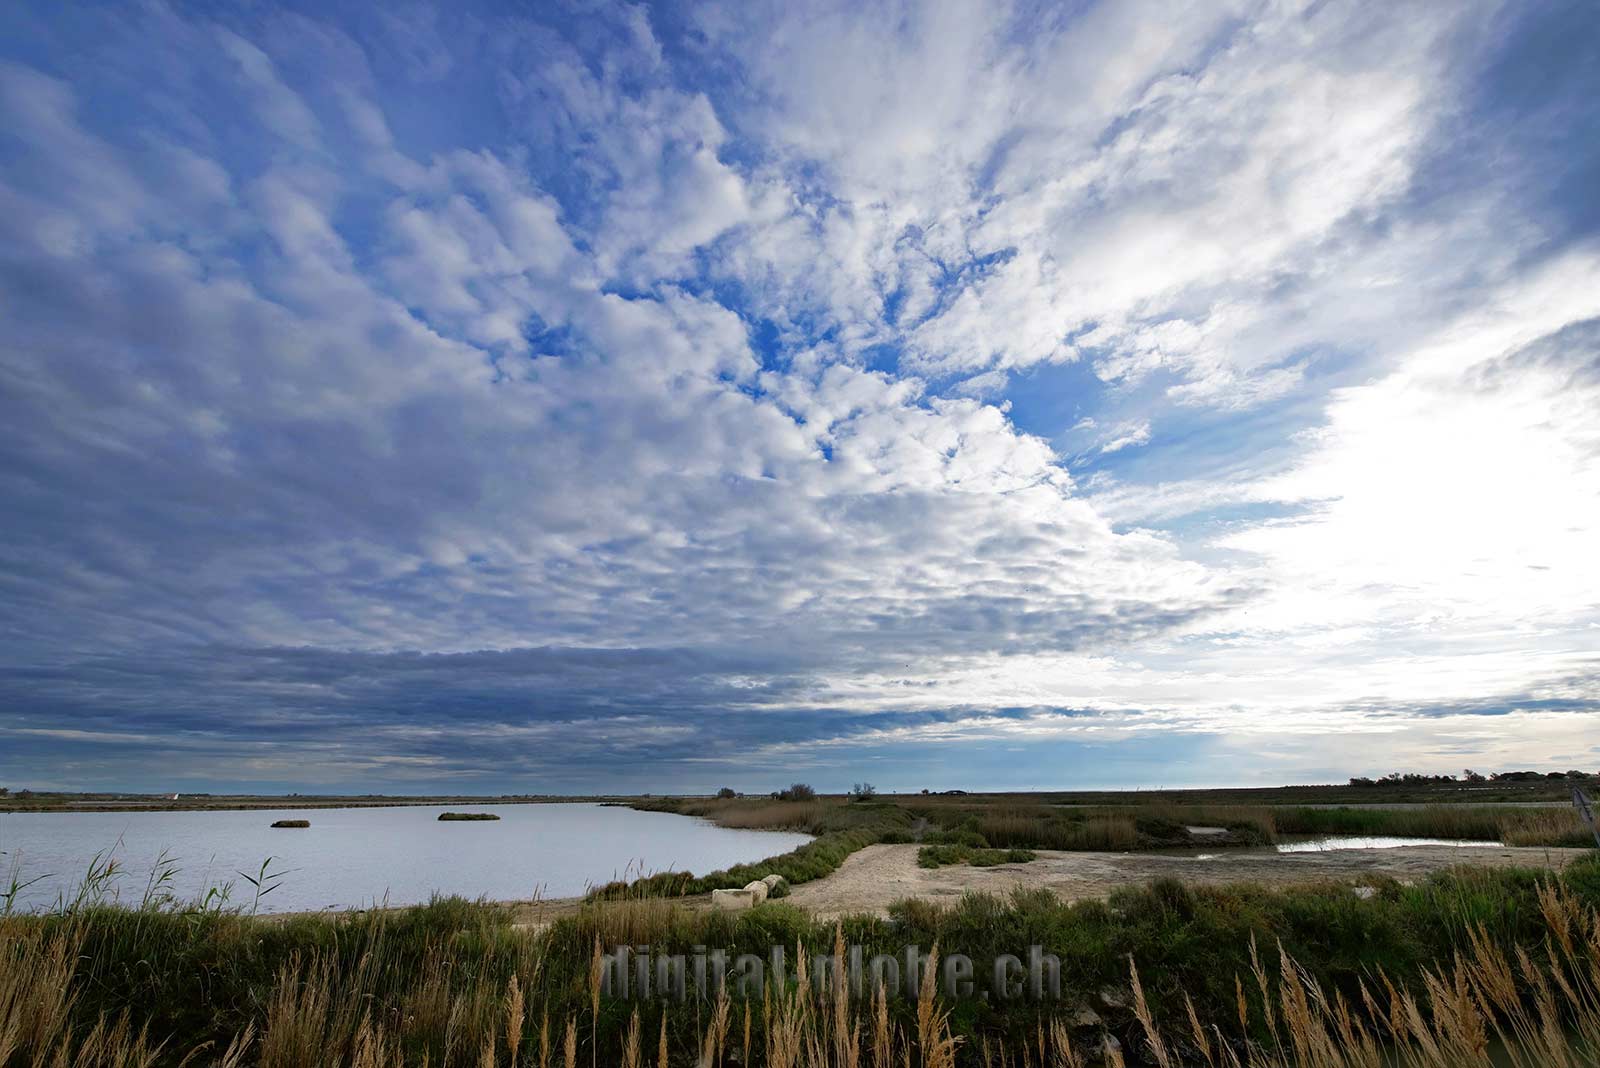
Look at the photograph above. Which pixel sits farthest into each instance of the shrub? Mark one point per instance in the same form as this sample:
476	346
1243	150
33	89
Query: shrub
798	792
964	838
726	793
818	857
1160	831
863	791
939	856
988	858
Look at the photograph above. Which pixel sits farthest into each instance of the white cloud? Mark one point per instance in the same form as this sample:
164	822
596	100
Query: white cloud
1125	436
280	109
1139	184
1461	491
710	371
636	489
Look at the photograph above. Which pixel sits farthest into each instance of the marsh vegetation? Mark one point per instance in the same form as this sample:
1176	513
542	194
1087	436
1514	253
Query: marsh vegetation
983	824
1454	971
1441	971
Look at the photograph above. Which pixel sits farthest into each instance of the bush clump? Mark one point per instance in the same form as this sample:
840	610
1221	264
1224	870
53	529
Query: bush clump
940	856
965	838
448	817
819	857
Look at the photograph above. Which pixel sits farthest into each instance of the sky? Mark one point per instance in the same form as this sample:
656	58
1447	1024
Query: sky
587	397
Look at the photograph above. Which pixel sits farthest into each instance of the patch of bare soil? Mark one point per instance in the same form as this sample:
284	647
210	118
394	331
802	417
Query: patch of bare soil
874	878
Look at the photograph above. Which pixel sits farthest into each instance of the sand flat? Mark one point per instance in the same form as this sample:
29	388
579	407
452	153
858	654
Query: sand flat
877	876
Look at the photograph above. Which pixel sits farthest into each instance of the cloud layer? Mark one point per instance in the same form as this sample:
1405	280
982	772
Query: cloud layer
656	396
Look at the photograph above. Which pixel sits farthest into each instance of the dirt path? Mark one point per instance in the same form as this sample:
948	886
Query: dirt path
874	878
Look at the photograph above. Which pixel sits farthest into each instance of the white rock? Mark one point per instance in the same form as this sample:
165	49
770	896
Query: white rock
732	900
758	890
1115	999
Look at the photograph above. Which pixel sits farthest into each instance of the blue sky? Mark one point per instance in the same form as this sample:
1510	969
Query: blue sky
559	397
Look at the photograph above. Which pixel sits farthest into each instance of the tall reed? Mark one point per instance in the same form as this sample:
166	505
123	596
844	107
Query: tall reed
1476	969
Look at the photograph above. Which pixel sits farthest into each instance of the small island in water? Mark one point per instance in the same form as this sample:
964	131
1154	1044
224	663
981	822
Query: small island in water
292	823
468	816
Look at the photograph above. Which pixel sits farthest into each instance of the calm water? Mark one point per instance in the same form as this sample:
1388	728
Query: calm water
352	857
1317	844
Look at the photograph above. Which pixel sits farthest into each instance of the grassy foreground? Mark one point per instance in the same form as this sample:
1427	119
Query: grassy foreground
1163	975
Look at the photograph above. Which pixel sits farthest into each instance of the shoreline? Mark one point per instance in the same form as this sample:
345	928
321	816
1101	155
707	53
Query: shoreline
876	877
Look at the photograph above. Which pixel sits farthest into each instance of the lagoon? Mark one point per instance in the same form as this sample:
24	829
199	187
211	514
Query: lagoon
358	857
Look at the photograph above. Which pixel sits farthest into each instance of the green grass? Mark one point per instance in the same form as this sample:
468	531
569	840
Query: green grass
1515	826
1165	826
841	828
817	858
436	976
1095	829
1015	822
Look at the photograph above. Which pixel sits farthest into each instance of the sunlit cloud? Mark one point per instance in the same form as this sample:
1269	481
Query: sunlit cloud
645	395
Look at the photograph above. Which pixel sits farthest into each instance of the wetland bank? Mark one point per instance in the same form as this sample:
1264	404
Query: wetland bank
1153	908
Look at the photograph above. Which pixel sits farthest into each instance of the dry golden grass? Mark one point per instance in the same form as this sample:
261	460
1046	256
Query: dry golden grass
764	815
1543	826
1036	829
36	1003
1488	1007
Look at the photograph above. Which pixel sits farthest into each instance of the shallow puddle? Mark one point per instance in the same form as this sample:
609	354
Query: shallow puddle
1316	845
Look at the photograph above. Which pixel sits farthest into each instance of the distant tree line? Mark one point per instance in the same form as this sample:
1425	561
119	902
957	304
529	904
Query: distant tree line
800	791
1470	777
